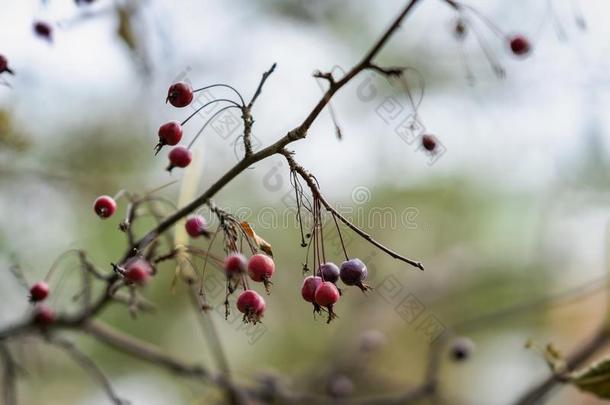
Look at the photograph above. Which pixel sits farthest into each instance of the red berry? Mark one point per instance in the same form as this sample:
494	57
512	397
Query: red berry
326	294
39	291
4	65
235	263
180	156
252	305
428	142
104	206
43	30
196	226
138	271
520	45
180	94
260	267
308	290
170	133
44	316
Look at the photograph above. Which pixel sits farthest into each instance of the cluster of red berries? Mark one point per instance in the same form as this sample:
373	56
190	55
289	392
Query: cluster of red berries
43	315
179	95
260	268
321	290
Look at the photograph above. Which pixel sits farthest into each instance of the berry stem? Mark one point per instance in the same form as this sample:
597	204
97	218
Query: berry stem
223	85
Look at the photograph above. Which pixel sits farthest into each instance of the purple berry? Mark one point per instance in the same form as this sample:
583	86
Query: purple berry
354	272
329	272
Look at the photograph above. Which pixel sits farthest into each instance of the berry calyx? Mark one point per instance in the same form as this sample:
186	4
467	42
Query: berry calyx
104	206
329	272
138	271
428	142
260	268
327	295
252	305
170	133
520	45
196	226
180	94
4	65
235	264
354	272
461	349
39	291
44	316
43	30
179	156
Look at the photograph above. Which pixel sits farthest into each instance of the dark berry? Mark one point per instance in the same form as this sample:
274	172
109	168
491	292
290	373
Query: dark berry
104	206
180	94
44	316
520	45
169	134
428	142
4	65
354	272
461	349
252	305
138	271
43	30
235	263
196	226
261	267
327	295
308	290
179	156
329	272
39	291
340	386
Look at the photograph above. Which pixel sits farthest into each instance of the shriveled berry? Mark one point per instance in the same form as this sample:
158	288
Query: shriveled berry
104	206
461	349
327	295
329	272
354	272
308	290
44	315
252	305
170	133
520	45
4	65
43	30
180	94
179	156
138	271
235	263
428	142
39	291
196	226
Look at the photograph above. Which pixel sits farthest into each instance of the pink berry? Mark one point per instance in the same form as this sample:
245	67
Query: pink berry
170	133
179	156
235	263
138	271
43	30
4	65
308	290
196	226
520	45
39	291
44	316
261	267
104	206
180	94
428	142
327	295
252	305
